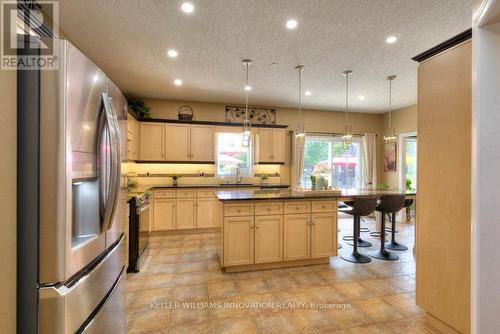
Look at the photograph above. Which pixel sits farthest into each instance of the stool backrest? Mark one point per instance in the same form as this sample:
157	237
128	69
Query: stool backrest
391	203
364	205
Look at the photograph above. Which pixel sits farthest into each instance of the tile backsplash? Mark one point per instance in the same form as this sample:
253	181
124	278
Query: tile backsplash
153	174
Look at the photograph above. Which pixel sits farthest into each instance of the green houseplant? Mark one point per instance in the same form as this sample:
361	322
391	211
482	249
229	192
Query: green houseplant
313	182
264	178
139	107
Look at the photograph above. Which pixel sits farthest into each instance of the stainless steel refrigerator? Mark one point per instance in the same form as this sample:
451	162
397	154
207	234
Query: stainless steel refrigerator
81	252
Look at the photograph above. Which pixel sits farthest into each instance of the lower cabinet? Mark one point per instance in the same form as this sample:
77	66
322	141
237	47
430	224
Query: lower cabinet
238	240
164	214
268	239
323	235
205	212
185	213
296	237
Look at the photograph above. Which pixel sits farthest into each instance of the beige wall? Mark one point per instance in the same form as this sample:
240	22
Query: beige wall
8	200
403	121
315	120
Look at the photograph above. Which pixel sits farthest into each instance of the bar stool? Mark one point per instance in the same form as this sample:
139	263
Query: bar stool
393	244
362	206
349	238
388	204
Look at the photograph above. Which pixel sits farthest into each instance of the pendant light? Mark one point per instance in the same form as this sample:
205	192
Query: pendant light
392	136
300	131
247	123
347	135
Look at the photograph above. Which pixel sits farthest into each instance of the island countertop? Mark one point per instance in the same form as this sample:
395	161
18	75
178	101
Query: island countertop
256	195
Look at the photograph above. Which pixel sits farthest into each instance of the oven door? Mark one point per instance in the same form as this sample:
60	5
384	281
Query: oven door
144	213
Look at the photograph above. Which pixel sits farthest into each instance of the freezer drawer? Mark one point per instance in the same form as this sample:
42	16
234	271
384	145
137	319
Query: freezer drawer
65	308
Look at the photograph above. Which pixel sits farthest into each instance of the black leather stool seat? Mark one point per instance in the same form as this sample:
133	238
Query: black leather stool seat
362	206
349	238
389	204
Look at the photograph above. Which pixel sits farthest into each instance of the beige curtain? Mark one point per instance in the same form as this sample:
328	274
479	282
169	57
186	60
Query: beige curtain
369	160
297	161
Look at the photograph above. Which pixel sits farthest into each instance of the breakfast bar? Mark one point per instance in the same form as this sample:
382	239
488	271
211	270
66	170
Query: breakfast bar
262	229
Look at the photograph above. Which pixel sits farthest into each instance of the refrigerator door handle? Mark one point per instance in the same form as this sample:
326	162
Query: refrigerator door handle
109	202
116	160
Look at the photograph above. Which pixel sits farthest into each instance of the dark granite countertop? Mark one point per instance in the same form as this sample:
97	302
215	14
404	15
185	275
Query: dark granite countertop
251	195
142	189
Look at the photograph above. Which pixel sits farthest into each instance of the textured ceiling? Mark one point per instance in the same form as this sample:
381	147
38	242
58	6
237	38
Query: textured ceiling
128	39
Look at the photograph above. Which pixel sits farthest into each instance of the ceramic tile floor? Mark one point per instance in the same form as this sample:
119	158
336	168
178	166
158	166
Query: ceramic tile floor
182	290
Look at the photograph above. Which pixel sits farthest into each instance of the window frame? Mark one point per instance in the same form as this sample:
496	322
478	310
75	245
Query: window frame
335	139
249	169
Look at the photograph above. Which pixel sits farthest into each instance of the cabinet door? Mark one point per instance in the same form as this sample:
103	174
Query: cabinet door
278	145
205	212
177	142
268	239
265	139
238	240
323	235
164	214
152	141
296	237
186	213
133	139
202	143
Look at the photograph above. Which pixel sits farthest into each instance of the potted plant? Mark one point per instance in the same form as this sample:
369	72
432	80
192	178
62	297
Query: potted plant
264	178
139	107
313	182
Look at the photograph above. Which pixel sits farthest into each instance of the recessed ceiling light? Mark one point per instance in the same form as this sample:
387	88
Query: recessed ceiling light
187	7
391	39
361	98
172	53
178	82
291	24
248	88
308	93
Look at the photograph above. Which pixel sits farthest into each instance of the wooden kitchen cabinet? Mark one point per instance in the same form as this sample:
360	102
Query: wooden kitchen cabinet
133	138
185	213
152	143
205	212
164	214
296	243
238	240
323	235
177	142
202	143
271	145
268	239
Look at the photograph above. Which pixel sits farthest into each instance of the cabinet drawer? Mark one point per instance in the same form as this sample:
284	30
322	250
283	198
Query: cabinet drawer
186	193
243	209
205	193
297	207
166	193
324	206
270	208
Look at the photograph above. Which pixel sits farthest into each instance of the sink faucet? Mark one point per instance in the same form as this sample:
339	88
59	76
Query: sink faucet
239	178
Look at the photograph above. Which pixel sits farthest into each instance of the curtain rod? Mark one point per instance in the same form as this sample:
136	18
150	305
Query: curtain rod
333	134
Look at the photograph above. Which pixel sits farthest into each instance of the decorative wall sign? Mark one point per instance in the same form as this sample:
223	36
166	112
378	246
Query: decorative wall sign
390	157
236	114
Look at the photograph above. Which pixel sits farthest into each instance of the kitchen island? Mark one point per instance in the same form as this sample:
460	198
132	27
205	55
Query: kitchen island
261	229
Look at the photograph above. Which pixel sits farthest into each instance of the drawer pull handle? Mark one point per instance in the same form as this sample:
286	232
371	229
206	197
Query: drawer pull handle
296	208
324	207
239	210
268	209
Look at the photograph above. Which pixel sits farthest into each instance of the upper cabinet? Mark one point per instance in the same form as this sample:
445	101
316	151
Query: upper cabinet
133	138
202	143
271	145
177	142
152	141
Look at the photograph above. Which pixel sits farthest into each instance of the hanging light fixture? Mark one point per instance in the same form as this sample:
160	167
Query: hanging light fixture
247	123
300	131
347	135
392	136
